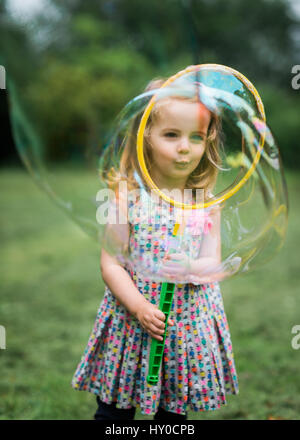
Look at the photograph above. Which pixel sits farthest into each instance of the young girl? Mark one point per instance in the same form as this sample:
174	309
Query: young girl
182	142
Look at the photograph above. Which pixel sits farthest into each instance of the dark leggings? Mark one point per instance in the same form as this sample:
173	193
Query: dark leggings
107	411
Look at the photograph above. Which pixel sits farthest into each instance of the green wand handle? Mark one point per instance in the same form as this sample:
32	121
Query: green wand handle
157	347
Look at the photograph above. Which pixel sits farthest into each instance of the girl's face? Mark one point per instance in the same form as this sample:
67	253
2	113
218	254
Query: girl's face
177	141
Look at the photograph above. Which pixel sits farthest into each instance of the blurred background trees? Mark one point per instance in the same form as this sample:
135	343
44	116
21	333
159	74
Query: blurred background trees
100	54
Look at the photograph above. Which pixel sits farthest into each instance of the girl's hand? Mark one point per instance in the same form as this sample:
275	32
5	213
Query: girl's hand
176	264
222	270
152	320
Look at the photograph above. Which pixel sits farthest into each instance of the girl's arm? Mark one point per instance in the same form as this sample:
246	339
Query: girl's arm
122	286
208	266
210	252
114	246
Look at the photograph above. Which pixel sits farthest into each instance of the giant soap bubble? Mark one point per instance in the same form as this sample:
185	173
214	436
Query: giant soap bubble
241	216
231	215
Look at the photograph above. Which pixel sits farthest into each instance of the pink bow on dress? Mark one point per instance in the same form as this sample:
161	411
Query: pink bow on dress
199	222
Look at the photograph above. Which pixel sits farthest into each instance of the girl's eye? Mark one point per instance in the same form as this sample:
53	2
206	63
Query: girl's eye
197	137
171	134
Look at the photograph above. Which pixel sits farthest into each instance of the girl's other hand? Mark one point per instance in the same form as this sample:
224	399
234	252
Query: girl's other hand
152	320
176	264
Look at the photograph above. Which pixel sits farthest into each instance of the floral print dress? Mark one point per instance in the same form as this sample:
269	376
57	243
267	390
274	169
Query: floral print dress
197	368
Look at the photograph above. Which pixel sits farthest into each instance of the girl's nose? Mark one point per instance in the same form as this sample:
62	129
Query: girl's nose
183	145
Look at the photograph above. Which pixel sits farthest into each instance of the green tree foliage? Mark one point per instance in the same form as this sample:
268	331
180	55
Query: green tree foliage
89	58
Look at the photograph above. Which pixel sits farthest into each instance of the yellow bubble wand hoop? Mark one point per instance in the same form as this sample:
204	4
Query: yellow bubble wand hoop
145	117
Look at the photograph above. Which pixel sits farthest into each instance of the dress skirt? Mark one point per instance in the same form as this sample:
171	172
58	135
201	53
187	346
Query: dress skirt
197	368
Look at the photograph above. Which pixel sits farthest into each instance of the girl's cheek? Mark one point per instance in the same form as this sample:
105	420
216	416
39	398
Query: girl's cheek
166	157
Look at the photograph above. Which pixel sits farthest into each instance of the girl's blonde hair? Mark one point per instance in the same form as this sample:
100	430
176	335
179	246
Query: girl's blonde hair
203	177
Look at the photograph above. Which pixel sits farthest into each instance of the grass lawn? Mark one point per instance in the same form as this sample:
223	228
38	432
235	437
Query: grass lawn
51	289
